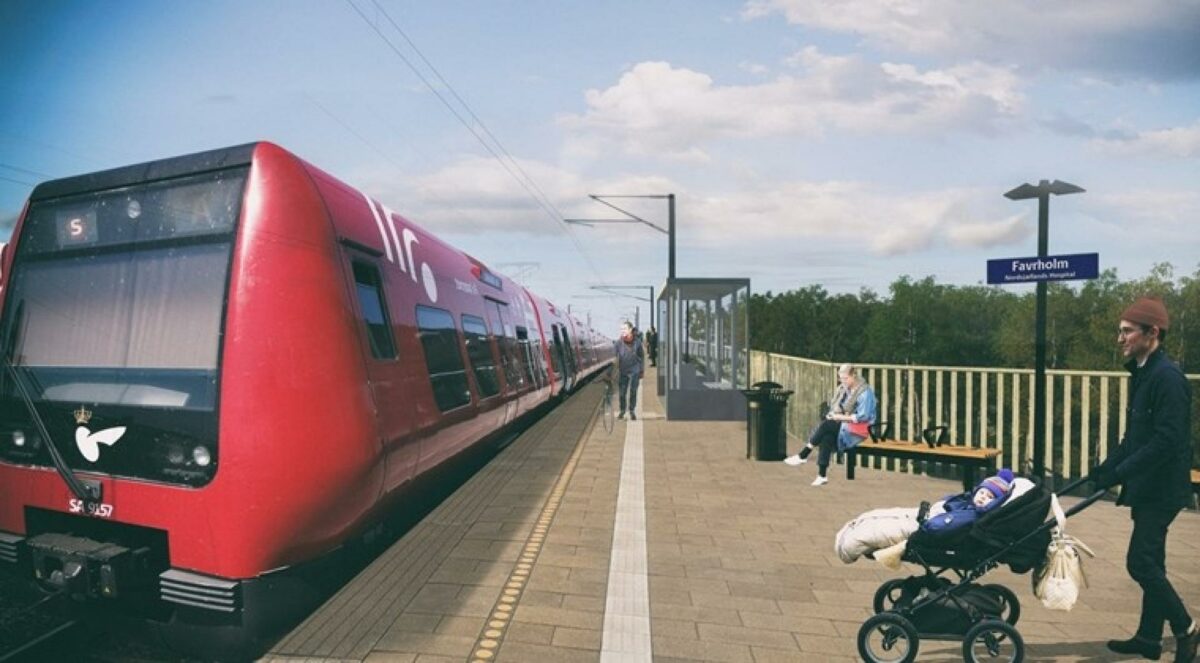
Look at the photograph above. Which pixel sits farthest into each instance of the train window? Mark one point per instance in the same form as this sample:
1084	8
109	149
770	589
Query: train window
205	206
505	343
374	311
439	340
539	360
526	355
479	351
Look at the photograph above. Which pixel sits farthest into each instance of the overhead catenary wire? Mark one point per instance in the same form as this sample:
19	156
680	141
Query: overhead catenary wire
26	171
374	147
525	182
17	181
467	107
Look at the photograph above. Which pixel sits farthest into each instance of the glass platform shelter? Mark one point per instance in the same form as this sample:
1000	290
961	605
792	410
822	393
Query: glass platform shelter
704	348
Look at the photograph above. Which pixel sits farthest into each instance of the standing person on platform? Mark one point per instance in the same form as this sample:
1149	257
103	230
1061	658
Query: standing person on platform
652	345
631	366
1152	466
845	425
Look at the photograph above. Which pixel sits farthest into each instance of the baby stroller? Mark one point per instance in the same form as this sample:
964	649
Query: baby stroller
936	607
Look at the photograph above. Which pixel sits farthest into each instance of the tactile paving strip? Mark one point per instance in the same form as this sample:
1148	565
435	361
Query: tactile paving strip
492	636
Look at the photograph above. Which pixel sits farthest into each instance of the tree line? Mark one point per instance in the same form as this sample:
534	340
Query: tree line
928	323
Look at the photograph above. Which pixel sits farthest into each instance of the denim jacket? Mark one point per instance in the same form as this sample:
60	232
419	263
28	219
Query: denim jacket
864	415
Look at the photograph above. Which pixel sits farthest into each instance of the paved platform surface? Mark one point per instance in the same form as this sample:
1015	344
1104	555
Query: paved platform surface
738	560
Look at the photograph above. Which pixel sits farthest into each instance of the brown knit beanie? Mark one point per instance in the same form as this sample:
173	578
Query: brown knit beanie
1148	311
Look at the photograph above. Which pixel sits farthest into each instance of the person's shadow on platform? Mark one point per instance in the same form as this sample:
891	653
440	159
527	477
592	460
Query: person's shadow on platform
1077	652
1080	652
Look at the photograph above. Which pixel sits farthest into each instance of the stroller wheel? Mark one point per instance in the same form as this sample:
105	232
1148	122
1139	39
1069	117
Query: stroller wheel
888	638
994	641
888	595
1010	605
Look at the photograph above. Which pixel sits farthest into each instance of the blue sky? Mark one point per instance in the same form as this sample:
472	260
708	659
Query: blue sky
807	141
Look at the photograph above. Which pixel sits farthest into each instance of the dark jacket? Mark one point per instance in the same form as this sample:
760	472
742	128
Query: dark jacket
1153	462
630	357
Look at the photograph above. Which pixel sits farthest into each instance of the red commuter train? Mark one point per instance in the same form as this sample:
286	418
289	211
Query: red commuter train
224	365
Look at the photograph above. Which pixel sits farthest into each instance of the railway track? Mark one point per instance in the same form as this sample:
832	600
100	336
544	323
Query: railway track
29	622
36	627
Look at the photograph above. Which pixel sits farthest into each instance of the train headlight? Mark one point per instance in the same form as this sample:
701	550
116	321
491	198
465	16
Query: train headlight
18	438
202	456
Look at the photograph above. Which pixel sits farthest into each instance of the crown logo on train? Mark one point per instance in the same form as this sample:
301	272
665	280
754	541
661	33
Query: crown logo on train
83	415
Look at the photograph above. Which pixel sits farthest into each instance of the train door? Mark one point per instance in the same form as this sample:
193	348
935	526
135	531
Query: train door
562	368
503	334
572	367
384	371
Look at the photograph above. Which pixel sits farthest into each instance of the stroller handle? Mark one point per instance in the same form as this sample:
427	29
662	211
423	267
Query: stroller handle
1088	501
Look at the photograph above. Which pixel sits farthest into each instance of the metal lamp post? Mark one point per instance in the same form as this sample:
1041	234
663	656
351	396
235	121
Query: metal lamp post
669	231
1042	192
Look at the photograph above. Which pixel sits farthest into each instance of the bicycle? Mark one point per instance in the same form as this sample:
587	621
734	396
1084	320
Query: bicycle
607	416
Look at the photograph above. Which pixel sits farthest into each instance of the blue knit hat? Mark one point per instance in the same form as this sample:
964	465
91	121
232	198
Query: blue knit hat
1000	485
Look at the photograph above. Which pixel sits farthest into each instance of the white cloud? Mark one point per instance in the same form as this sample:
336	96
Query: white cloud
754	68
662	110
1149	38
849	217
1178	142
1149	211
474	195
983	235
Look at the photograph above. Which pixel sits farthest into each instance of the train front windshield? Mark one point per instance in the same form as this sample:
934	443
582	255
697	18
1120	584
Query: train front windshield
113	326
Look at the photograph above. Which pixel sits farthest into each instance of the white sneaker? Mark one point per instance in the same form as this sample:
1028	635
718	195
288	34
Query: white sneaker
794	460
820	481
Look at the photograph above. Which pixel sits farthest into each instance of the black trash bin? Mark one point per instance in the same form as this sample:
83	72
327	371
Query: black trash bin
766	421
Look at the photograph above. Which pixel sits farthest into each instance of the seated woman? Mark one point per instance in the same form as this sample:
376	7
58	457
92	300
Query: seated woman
845	426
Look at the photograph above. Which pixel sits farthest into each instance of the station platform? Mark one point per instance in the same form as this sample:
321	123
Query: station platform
661	541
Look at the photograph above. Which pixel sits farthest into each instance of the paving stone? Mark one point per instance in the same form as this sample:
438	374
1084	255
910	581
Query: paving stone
693	613
813	625
560	617
734	602
529	633
430	658
532	597
426	643
746	636
389	657
579	602
520	652
576	638
416	622
697	650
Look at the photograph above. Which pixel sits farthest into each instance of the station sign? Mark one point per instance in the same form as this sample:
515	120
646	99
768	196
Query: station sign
1074	267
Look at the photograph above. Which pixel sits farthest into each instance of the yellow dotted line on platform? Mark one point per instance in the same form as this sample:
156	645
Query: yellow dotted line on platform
489	641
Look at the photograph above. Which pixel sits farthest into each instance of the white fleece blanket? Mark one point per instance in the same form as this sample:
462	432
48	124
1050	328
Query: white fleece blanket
875	529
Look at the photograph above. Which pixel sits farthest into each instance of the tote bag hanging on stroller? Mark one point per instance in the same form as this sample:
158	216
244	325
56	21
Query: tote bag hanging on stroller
1058	580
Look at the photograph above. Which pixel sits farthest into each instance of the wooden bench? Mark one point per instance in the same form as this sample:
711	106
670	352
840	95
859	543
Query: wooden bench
970	459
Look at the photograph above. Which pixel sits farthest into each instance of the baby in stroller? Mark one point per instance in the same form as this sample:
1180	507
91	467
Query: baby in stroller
962	509
883	534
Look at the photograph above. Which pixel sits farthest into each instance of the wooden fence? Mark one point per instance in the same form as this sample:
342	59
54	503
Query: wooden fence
982	407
